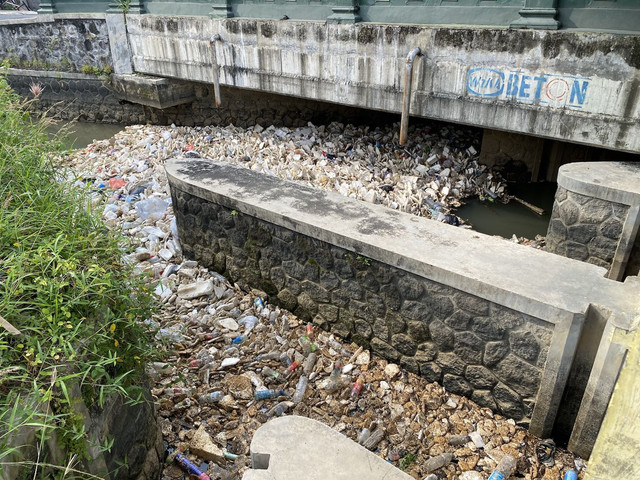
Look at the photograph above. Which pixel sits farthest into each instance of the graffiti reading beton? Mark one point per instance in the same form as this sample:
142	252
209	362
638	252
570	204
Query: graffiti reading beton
551	90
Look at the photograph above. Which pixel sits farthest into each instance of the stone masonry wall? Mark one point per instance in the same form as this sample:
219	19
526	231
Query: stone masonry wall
91	99
585	228
63	45
487	352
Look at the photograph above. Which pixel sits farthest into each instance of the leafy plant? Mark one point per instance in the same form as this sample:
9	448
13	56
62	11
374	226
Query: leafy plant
79	310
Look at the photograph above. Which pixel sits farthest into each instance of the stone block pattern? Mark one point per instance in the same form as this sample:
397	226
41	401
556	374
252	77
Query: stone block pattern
585	228
63	45
93	100
485	351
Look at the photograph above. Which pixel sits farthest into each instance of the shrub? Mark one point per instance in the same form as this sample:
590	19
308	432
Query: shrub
62	285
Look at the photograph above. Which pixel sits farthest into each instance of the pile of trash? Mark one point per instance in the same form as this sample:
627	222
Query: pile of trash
238	361
430	176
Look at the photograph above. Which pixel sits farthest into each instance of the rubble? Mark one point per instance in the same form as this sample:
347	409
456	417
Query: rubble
236	360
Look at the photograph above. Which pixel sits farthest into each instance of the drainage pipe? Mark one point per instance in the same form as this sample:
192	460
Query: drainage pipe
216	80
406	94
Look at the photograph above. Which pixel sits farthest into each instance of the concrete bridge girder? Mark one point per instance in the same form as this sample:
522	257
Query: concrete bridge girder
568	86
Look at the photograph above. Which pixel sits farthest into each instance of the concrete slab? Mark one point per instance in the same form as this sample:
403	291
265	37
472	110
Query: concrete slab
538	283
292	448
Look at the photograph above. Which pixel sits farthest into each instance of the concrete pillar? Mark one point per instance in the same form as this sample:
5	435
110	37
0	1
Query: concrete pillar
344	11
221	9
538	14
119	42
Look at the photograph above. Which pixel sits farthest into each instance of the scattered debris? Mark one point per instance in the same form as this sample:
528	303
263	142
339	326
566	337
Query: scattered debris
239	361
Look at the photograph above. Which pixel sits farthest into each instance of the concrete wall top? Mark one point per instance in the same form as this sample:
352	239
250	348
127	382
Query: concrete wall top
613	181
538	283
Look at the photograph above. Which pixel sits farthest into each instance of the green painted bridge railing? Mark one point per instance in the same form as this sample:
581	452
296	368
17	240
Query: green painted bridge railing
610	15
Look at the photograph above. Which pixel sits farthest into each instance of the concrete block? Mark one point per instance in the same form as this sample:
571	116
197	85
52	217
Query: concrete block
291	448
202	446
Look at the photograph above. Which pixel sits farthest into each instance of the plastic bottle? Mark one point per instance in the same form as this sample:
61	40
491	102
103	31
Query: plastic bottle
290	369
152	208
439	461
357	387
301	387
334	379
190	467
268	356
505	468
239	340
309	363
213	397
279	409
307	345
309	330
249	323
258	303
570	475
271	375
266	394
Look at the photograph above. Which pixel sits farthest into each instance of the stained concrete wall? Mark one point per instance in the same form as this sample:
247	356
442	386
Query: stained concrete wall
579	87
490	319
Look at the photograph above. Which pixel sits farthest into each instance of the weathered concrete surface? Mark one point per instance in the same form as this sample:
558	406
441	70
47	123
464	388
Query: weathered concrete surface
615	452
293	448
152	91
572	86
554	289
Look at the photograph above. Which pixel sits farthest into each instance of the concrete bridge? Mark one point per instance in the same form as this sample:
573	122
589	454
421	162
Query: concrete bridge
548	71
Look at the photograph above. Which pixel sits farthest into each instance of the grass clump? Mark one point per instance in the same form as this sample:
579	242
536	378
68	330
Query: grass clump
64	287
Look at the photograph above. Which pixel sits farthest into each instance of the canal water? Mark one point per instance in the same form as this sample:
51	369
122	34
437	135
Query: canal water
505	220
491	218
81	134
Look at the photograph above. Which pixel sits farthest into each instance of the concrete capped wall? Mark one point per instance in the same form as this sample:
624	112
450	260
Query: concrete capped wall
433	297
579	87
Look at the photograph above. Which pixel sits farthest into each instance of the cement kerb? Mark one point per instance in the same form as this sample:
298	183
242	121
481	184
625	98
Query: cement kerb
23	72
546	286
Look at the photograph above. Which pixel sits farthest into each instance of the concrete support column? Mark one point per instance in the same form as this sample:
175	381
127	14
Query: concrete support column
47	6
119	42
344	11
221	9
539	14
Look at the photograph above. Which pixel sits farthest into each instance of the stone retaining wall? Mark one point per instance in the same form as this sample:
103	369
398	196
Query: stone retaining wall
595	216
491	354
64	45
585	228
91	98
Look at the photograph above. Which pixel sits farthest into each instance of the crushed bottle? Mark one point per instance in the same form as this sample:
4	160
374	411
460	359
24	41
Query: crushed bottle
279	409
505	468
209	398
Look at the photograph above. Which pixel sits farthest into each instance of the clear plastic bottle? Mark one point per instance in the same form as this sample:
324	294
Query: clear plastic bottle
336	376
268	356
506	467
279	409
438	461
301	387
291	368
309	363
209	398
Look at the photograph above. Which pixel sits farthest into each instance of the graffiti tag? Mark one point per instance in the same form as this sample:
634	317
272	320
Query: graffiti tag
540	88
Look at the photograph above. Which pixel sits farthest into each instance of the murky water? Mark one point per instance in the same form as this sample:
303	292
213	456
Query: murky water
82	134
496	218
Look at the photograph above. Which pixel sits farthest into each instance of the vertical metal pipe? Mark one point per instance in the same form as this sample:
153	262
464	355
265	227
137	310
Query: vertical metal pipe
216	80
406	94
